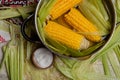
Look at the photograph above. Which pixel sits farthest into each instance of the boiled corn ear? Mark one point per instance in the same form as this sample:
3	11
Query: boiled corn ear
82	25
61	21
63	35
62	6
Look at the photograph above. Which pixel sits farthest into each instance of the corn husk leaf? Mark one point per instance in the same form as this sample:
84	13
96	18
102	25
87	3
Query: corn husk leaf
13	12
42	15
117	52
14	54
4	26
59	47
83	70
114	63
63	68
112	43
45	9
117	6
106	65
89	11
68	61
99	5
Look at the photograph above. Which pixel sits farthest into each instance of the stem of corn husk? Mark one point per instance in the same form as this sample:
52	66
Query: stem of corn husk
106	65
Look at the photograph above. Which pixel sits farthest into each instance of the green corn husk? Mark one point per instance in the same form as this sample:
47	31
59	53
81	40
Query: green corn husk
117	52
117	6
57	46
21	59
106	65
93	48
114	62
42	15
5	58
4	26
83	70
99	5
13	12
45	9
14	54
7	65
89	11
63	68
40	29
85	52
68	61
87	73
118	15
93	19
10	62
24	16
115	40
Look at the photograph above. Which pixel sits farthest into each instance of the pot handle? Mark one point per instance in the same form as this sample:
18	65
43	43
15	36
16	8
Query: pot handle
35	39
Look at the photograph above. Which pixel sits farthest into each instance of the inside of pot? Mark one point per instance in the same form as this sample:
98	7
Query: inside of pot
78	30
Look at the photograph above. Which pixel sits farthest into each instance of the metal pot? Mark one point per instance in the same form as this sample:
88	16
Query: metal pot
111	12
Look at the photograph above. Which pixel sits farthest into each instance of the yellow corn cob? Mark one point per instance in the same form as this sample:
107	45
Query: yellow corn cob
62	6
63	35
62	21
82	25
